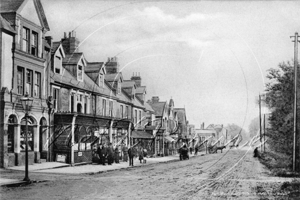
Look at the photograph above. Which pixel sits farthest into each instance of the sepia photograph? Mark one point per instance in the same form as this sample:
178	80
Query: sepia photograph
150	99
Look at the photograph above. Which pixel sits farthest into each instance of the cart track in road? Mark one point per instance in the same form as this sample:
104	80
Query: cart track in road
233	174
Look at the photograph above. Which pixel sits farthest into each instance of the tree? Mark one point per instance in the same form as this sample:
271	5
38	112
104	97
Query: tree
234	129
280	99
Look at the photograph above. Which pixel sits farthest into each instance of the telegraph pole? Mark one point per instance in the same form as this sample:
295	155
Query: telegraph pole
260	135
295	146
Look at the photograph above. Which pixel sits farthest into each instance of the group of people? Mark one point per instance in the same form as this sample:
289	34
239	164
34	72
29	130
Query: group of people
110	154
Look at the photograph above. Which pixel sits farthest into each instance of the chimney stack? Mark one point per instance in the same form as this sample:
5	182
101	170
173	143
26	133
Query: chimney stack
155	99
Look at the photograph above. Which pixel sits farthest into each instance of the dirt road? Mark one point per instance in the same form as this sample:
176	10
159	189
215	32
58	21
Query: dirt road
233	174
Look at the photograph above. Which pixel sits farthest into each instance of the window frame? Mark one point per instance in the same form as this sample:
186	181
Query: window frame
34	43
104	107
20	80
26	39
37	84
29	82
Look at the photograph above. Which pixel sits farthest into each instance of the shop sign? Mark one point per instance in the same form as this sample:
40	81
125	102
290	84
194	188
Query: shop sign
61	158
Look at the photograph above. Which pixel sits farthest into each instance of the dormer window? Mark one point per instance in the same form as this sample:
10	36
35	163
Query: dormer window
57	65
101	80
79	73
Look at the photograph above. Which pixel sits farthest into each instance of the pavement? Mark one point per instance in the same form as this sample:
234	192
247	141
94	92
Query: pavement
81	168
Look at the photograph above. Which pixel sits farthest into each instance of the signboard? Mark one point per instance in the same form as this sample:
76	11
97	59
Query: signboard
61	158
79	153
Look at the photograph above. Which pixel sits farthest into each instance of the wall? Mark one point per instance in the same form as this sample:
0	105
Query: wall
6	61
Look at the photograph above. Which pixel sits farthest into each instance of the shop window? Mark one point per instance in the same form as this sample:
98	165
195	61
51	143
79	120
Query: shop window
37	85
12	123
30	134
20	80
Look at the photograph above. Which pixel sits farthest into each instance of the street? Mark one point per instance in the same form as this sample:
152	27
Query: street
231	174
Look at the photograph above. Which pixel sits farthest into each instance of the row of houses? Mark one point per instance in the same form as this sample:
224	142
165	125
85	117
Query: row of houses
77	104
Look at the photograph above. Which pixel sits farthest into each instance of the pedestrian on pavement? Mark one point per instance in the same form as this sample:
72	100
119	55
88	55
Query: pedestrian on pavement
131	155
117	156
110	154
196	150
141	156
191	150
125	153
145	153
100	152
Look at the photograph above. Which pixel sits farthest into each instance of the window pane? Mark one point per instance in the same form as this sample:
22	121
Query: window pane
34	43
20	81
25	39
37	85
29	82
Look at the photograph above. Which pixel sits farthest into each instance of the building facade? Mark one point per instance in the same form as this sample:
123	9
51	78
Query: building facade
25	54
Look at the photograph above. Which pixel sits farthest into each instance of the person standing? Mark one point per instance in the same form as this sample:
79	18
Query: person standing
131	155
196	150
117	157
100	152
141	156
110	154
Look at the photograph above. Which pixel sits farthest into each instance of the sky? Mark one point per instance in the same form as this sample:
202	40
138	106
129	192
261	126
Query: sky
210	57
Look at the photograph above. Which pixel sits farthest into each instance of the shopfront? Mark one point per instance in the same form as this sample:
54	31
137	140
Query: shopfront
76	136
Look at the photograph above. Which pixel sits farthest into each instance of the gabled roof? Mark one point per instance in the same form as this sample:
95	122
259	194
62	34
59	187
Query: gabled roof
58	46
94	67
6	26
10	5
141	90
204	132
7	6
73	59
88	84
55	46
148	107
113	77
180	114
158	108
128	84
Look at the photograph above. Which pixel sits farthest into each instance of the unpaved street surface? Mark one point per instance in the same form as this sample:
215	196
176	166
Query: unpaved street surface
233	174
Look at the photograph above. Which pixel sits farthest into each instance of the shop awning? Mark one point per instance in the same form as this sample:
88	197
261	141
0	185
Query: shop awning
141	135
169	139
